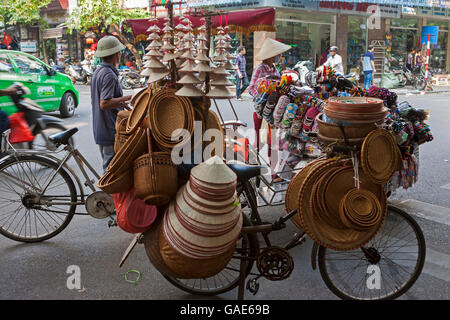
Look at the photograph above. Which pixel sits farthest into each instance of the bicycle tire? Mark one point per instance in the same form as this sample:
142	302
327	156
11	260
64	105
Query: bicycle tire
46	163
253	252
404	286
420	83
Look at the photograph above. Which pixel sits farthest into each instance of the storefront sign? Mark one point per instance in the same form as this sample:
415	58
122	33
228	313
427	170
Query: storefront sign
433	31
28	46
426	12
386	11
52	33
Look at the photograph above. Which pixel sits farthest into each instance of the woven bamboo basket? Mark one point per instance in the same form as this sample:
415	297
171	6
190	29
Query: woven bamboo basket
112	182
121	121
189	268
151	243
155	176
353	131
119	141
134	147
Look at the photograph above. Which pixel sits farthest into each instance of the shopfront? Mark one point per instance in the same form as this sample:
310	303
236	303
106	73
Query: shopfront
438	52
405	37
307	33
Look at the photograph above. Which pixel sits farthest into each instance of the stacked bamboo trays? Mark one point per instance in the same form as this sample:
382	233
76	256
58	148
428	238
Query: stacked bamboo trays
350	119
342	203
121	135
198	233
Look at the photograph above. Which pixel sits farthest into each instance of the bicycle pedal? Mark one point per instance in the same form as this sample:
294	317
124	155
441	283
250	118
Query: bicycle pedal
252	286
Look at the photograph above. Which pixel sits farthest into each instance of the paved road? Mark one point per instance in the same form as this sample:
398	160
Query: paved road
38	271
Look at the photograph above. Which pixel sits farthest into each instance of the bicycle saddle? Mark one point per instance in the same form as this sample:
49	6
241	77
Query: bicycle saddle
245	172
62	137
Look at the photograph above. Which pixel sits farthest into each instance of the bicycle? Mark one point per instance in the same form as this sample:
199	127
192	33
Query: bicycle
38	195
390	250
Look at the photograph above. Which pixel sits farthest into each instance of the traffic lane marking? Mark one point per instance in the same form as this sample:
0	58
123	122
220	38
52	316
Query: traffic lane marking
425	210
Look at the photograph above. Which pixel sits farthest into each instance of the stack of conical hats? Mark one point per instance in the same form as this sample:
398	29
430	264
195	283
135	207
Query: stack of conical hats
219	81
167	46
153	67
188	79
202	224
228	65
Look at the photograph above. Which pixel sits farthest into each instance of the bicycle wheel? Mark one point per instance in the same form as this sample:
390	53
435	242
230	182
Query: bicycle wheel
228	278
398	250
420	83
25	216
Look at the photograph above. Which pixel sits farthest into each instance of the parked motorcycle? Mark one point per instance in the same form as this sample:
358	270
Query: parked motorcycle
130	79
307	76
76	72
88	69
415	77
41	125
57	67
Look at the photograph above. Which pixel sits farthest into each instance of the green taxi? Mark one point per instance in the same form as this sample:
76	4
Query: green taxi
50	89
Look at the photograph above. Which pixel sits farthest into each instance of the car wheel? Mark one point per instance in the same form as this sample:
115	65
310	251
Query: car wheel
68	104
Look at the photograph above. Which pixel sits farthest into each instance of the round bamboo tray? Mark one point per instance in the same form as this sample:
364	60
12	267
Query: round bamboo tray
116	182
353	131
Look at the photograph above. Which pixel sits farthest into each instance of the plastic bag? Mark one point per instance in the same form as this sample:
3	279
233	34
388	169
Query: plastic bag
264	133
20	131
133	214
389	81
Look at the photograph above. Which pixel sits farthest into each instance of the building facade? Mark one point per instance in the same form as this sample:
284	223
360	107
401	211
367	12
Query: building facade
312	26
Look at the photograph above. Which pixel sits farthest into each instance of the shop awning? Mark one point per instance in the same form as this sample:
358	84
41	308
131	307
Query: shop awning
407	3
243	21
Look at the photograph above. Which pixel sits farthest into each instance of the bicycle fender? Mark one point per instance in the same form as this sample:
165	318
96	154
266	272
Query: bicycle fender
314	251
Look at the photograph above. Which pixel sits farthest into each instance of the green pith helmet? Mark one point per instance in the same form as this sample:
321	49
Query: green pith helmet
107	46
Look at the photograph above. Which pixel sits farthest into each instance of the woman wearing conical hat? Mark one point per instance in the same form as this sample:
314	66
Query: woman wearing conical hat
269	51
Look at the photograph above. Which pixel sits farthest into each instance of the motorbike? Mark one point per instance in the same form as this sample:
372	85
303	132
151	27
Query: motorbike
88	69
130	79
305	69
41	125
57	67
415	77
76	72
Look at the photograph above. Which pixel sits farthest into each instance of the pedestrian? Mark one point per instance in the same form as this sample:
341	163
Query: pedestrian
410	59
368	67
107	96
240	73
335	61
418	61
270	49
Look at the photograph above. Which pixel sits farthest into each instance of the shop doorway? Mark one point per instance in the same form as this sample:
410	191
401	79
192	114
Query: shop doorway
309	40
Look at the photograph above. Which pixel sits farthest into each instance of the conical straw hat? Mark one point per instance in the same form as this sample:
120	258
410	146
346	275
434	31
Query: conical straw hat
145	73
154	64
153	28
188	37
202	57
167	36
228	65
167	29
154	36
214	171
221	81
203	67
189	78
201	37
220	92
188	55
188	90
154	53
146	57
157	74
271	48
167	46
220	70
220	37
220	58
154	44
169	56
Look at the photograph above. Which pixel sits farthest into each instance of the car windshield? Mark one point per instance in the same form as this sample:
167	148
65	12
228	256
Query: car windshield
5	63
27	65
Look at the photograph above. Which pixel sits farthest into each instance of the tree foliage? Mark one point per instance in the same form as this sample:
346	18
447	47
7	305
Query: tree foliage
21	11
101	14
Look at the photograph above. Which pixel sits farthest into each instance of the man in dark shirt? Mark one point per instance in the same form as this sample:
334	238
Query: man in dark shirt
240	73
106	96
